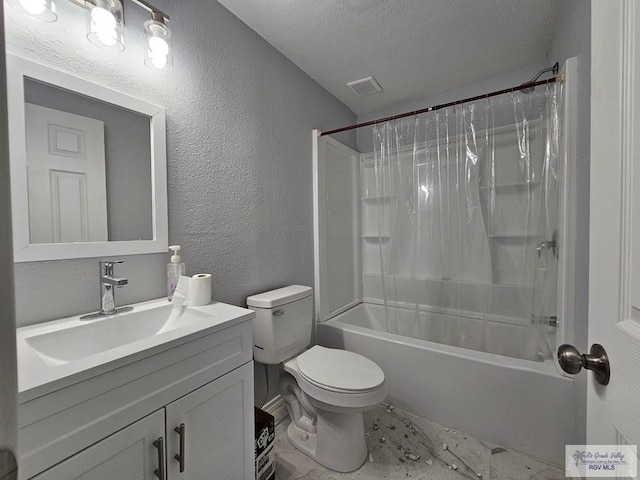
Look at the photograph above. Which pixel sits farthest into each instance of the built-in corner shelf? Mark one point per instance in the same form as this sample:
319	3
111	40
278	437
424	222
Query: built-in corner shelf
367	163
376	238
512	235
512	186
380	198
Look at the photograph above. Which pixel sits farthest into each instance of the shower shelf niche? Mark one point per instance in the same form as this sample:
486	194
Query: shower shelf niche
514	186
374	198
512	235
370	163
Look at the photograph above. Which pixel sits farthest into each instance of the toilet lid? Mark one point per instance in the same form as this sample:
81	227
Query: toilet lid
339	369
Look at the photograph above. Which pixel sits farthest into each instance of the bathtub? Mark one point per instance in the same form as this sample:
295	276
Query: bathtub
518	403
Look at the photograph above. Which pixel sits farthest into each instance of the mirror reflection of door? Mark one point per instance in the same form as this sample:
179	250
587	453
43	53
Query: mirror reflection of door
66	177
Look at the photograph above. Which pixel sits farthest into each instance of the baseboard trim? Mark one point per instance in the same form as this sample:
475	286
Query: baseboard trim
277	408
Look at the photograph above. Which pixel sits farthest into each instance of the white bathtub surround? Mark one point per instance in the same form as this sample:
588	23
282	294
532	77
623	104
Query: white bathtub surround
402	445
460	211
520	404
456	210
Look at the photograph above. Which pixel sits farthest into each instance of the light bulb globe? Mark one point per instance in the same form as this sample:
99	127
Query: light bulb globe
103	19
42	10
105	26
159	61
34	7
158	46
159	55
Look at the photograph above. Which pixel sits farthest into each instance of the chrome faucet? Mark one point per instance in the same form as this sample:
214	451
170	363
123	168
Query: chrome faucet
550	245
107	283
550	320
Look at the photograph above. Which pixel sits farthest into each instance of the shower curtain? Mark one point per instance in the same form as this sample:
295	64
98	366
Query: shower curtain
467	215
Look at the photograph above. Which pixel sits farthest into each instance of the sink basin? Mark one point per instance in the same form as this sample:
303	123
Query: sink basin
88	338
62	350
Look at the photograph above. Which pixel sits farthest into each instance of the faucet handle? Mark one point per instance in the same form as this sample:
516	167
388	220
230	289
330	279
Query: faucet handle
110	262
106	266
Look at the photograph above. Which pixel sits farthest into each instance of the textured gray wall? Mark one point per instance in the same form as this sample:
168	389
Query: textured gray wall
127	136
8	370
239	121
573	39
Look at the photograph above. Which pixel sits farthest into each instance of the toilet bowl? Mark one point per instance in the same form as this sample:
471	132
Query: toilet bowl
325	390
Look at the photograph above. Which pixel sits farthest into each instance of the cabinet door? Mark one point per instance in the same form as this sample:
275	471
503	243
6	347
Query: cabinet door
218	430
126	455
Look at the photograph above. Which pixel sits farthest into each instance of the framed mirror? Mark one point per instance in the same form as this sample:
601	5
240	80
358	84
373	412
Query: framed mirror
88	167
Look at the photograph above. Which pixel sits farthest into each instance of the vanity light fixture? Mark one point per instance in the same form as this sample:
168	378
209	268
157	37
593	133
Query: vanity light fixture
106	26
43	10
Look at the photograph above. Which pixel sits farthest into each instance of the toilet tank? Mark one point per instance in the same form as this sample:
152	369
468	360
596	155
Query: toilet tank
283	322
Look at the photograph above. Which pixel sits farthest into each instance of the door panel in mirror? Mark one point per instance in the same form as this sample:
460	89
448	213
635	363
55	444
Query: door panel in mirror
65	177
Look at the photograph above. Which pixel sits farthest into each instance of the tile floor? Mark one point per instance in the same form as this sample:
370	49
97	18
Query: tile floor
402	445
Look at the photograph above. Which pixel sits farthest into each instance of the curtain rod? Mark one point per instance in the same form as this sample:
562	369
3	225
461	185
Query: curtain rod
444	105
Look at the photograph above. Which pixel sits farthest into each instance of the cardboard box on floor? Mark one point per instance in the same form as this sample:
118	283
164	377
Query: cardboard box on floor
264	445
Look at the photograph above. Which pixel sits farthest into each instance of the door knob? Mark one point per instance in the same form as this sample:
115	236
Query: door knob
8	465
597	360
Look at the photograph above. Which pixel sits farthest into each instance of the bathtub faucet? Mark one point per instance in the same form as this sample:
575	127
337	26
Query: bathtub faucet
552	320
549	245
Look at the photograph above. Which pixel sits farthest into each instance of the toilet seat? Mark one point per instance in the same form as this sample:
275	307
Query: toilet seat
339	370
332	397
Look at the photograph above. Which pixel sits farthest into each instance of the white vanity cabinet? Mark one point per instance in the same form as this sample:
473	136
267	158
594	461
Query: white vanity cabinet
127	455
216	438
216	442
106	422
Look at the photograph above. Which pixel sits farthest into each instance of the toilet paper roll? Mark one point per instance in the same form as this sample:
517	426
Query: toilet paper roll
200	290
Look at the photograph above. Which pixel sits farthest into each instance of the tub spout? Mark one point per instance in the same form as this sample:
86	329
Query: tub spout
552	320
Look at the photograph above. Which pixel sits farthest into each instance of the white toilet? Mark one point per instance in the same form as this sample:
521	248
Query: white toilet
326	390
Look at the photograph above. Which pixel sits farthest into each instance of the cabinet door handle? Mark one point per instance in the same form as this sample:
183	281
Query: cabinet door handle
180	456
159	472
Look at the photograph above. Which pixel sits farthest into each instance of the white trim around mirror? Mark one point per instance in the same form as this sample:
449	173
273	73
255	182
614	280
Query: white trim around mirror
17	69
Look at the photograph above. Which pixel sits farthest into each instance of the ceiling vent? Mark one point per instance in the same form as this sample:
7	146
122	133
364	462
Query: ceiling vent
365	86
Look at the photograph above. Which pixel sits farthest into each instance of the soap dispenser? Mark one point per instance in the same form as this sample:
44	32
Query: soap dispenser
175	268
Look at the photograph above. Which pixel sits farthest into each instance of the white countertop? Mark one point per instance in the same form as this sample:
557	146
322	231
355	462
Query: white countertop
39	374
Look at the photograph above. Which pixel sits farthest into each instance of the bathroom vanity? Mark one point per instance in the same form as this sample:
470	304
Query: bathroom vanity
161	392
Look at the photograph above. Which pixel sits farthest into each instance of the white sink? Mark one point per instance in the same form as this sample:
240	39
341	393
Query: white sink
60	352
81	339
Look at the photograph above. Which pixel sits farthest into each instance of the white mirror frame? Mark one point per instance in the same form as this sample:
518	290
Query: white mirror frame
23	251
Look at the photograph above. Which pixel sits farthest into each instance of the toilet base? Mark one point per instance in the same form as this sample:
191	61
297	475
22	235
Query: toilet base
304	441
339	443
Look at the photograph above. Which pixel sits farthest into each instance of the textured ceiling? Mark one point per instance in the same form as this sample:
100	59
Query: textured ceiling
413	48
